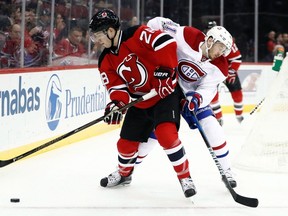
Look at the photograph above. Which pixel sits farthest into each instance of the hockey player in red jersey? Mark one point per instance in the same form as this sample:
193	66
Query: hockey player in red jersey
134	62
232	82
201	67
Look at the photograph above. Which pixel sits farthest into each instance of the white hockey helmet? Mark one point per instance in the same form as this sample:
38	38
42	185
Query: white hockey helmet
219	33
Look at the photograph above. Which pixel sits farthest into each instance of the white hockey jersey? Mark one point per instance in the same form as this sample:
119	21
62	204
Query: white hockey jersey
196	72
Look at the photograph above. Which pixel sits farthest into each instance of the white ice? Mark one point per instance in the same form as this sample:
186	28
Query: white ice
65	182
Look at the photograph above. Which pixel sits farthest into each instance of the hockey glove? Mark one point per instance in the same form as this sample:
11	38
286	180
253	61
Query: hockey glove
231	76
112	113
186	114
194	100
165	81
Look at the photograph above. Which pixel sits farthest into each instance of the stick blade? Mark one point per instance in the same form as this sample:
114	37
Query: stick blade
247	201
4	163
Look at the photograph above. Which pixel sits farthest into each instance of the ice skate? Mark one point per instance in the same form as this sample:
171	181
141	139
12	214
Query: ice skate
230	178
115	179
221	121
239	118
188	187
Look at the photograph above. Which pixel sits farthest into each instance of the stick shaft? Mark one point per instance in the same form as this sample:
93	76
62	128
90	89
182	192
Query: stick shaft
247	201
257	106
3	163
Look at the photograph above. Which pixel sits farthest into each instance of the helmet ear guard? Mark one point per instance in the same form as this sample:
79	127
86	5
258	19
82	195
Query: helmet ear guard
219	33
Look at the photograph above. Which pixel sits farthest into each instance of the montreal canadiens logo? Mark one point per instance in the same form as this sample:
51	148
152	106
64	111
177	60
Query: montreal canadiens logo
190	71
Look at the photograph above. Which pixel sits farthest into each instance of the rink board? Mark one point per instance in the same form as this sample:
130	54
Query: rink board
27	103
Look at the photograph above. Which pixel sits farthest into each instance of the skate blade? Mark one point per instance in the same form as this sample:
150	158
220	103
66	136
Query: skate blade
192	200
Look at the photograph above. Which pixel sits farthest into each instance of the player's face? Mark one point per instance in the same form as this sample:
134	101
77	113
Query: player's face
217	50
100	38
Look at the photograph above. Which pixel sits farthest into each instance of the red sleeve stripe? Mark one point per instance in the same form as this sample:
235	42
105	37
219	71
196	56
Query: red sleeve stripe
120	95
236	58
219	147
121	87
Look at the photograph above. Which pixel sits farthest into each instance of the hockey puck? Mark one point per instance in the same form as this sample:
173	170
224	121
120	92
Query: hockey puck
14	200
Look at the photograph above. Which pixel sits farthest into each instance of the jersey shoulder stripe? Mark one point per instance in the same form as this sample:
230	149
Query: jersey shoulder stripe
236	58
161	41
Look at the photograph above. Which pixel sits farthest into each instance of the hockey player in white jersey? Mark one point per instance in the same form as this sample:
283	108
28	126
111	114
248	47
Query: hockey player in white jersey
201	67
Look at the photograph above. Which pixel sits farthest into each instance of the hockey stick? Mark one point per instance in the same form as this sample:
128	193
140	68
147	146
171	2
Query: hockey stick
3	163
257	106
247	201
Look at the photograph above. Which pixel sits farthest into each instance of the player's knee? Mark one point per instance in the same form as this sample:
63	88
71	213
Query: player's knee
167	135
127	147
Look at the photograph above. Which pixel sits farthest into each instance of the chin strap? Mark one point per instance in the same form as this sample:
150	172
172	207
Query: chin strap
207	48
111	39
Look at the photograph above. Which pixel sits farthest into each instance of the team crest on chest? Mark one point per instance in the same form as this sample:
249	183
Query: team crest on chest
190	71
133	71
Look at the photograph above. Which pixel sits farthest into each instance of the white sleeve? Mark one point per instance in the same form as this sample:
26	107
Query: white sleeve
155	23
209	84
163	24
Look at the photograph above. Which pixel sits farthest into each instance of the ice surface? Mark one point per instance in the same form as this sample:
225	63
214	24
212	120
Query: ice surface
65	182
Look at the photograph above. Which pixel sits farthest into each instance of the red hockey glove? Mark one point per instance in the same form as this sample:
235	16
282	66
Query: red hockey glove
112	113
231	77
165	81
194	100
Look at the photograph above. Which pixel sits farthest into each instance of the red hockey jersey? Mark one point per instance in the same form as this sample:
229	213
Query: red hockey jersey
129	68
234	58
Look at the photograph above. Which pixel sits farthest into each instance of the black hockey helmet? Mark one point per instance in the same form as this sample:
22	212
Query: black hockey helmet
104	19
211	24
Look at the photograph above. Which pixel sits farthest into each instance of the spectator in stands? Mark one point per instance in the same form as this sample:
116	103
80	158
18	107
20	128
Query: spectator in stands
71	46
15	14
44	20
5	25
60	29
30	15
79	10
11	46
34	4
61	8
279	42
134	21
5	8
270	45
36	53
30	23
34	49
285	41
101	5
